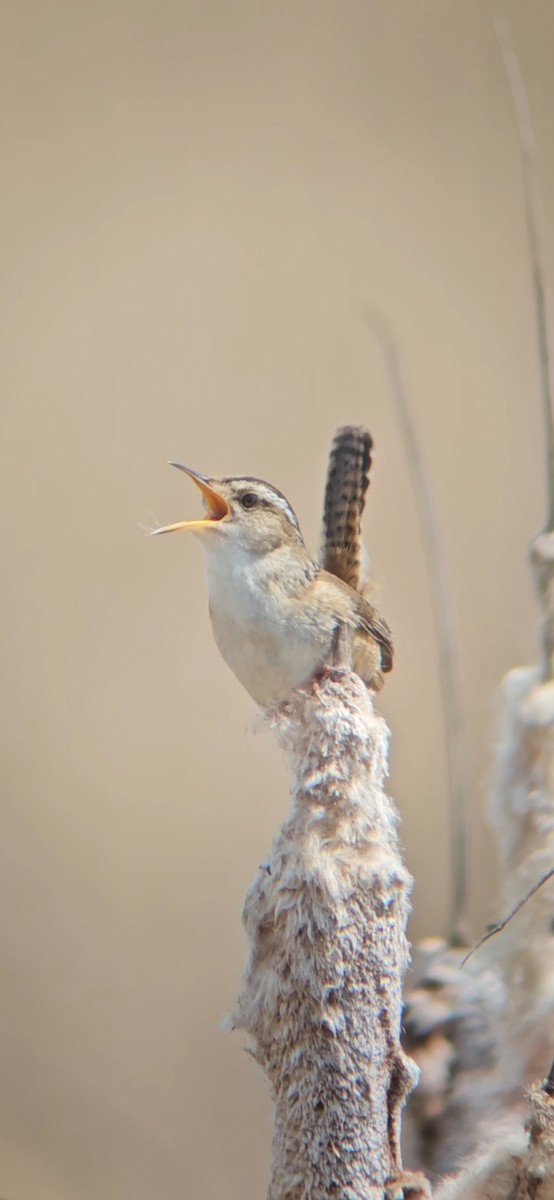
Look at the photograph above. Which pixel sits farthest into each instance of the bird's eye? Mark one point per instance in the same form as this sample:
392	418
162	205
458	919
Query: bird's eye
249	500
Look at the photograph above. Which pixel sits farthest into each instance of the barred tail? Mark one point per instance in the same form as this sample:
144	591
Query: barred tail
342	550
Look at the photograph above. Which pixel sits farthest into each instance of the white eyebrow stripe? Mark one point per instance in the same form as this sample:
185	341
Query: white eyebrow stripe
265	491
281	503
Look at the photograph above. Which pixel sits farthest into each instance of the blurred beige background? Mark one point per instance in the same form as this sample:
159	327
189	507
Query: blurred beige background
198	201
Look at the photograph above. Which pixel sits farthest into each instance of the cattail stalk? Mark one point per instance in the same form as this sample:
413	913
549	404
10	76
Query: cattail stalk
326	920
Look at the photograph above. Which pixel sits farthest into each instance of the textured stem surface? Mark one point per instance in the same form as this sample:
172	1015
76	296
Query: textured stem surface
326	920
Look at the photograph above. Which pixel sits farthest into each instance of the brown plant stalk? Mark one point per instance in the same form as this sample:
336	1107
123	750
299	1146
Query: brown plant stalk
325	920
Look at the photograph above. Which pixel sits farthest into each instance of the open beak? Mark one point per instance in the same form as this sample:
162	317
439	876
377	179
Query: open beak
217	507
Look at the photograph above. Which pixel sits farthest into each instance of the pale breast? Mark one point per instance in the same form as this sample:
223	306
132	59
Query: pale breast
265	636
268	666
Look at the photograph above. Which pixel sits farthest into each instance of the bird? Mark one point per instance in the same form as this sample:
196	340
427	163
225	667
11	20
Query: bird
276	613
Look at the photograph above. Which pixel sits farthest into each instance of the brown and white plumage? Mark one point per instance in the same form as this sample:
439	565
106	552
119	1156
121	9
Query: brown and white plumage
342	551
275	613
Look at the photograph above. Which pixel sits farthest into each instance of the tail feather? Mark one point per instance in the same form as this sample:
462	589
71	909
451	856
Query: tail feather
342	550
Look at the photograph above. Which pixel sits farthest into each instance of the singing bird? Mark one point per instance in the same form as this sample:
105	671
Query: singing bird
275	612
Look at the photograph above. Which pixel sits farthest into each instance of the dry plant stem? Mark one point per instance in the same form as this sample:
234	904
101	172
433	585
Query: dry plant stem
522	807
542	549
511	1006
522	815
450	1021
534	222
516	1166
445	625
542	563
326	921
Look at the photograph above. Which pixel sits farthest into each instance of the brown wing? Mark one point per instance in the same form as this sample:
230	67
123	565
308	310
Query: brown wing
361	615
342	551
374	624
